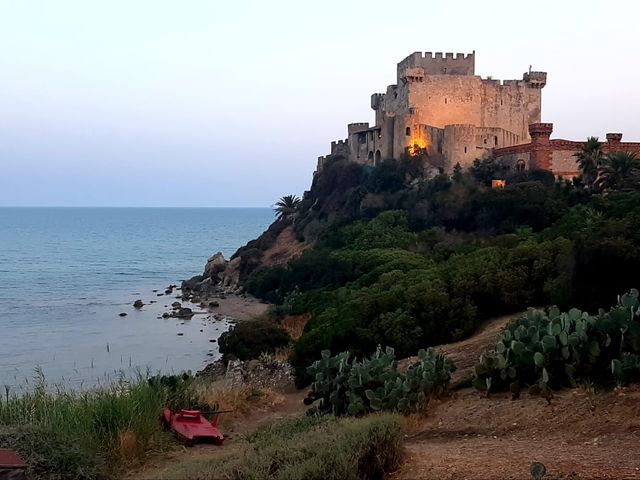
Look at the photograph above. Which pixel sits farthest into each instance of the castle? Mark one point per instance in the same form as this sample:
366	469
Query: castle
441	109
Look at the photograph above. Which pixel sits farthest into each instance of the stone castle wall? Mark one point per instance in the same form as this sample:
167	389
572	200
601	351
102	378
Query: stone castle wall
555	155
439	105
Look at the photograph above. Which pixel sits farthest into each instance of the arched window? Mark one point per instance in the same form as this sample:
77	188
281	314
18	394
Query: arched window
378	157
520	166
370	158
407	131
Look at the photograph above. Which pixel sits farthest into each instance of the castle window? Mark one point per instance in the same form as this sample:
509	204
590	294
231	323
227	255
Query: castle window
485	141
465	149
520	165
495	140
445	101
407	131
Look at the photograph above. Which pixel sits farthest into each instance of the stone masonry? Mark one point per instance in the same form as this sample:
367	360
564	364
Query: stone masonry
440	107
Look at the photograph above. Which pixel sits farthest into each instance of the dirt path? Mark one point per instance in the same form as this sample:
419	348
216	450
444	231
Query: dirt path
470	436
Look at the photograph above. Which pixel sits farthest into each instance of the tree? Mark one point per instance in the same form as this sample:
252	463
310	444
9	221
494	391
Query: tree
618	171
286	206
457	172
590	159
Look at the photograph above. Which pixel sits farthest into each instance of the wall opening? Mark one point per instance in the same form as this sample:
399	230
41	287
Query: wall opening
520	165
445	101
370	158
495	140
378	157
407	131
465	149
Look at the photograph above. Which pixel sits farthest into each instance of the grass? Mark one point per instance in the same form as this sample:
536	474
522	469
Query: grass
240	400
65	434
83	435
309	448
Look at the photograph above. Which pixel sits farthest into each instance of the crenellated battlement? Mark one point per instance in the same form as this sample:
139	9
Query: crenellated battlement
535	79
439	63
441	105
356	127
377	100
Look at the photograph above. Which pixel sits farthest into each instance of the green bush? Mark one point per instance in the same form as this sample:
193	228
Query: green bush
250	339
310	448
550	350
346	386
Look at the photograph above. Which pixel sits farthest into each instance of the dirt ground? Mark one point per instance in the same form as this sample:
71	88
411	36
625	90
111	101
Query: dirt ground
583	434
238	306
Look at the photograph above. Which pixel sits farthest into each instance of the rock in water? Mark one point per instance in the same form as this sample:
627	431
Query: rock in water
138	304
184	313
122	314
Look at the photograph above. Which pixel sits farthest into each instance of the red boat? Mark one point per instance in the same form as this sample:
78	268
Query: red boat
191	426
12	466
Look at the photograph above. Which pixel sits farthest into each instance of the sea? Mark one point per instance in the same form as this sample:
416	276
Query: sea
67	273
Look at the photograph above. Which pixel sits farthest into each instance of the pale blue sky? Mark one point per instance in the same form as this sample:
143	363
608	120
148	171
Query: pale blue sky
207	103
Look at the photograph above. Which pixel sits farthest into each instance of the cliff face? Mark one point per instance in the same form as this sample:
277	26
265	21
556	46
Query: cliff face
340	193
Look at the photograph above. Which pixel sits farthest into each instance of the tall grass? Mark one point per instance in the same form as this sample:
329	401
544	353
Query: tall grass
67	434
308	448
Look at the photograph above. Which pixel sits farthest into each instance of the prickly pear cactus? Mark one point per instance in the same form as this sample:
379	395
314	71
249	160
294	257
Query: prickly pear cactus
351	387
548	350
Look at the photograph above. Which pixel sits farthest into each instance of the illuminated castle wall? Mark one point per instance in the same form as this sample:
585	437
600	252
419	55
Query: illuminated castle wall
440	106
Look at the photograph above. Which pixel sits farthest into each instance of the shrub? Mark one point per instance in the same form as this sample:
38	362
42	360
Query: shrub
248	340
351	387
311	448
549	350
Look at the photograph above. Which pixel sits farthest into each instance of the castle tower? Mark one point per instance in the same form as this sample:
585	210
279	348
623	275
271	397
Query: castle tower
540	145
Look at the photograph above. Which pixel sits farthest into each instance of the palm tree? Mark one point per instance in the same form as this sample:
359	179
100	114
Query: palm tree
590	159
619	171
286	206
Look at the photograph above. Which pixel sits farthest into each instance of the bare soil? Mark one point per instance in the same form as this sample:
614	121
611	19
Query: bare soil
240	307
582	434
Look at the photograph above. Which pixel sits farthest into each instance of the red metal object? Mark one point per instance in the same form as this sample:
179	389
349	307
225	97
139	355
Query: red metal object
12	466
191	426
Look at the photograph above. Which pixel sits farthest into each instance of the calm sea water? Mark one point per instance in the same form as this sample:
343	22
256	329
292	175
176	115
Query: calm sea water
66	274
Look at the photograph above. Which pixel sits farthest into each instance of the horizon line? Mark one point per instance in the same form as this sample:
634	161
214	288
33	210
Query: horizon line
128	206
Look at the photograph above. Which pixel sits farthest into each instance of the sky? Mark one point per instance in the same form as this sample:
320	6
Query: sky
219	104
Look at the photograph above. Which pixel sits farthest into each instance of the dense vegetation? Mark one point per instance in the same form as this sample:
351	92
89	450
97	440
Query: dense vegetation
346	386
549	350
408	263
310	448
250	339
